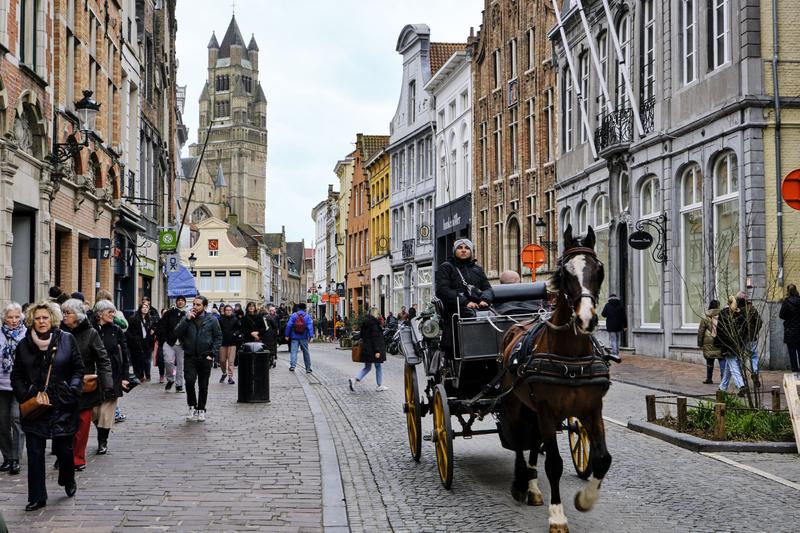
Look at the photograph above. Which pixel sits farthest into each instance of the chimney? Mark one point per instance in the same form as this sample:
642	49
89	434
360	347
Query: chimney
233	219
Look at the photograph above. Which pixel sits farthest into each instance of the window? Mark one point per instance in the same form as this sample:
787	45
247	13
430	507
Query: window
583	218
484	242
531	35
688	40
441	119
412	101
498	245
602	223
568	118
465	168
451	108
530	107
566	218
496	68
650	271
584	101
624	191
625	42
464	101
235	281
649	50
726	225
220	281
548	117
512	139
27	32
410	164
429	156
498	154
222	109
483	147
512	58
718	18
691	244
602	52
205	281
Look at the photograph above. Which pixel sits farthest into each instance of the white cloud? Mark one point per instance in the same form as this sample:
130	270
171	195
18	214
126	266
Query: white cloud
329	70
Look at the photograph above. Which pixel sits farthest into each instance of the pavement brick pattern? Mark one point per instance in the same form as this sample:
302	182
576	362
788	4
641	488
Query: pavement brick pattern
249	467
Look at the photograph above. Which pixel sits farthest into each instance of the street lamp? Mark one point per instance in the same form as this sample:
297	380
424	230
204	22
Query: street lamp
549	245
86	108
192	261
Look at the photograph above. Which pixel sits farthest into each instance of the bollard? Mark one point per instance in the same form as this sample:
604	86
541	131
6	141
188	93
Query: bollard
719	421
681	412
720	396
776	398
650	400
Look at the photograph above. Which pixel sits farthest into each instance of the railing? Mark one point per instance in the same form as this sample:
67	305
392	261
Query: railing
408	249
615	129
647	114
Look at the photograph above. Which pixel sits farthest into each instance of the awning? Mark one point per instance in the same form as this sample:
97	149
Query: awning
181	283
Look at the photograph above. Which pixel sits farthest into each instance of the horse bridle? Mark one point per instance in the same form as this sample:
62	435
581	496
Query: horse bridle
584	294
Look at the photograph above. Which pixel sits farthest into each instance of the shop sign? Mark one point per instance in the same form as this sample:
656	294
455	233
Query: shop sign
147	267
167	240
640	240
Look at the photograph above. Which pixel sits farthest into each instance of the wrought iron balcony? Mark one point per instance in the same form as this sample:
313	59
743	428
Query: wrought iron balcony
647	114
408	249
615	132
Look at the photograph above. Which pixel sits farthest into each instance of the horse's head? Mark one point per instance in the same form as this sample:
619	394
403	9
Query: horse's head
578	279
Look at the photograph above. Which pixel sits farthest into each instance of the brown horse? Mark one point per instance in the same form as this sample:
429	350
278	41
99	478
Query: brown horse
535	408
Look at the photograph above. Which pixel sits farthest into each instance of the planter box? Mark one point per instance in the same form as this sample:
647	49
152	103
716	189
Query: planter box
697	444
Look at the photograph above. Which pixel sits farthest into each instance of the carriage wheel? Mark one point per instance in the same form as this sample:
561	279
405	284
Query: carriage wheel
579	447
413	416
443	436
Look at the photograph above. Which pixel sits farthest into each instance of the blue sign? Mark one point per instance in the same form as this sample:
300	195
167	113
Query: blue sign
180	282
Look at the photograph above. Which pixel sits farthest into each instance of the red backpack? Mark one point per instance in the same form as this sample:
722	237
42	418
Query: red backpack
299	325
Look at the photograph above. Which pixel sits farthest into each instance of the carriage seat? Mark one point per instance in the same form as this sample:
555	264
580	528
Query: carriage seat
519	298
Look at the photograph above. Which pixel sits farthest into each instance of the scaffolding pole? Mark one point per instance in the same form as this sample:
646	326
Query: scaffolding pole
595	57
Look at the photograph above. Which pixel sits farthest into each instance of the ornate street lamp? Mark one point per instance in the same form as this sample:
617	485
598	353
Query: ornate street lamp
192	261
86	108
544	243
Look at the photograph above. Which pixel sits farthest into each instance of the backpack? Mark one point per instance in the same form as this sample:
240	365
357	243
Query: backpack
299	325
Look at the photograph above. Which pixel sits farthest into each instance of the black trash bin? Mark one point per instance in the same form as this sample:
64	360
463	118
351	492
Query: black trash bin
254	364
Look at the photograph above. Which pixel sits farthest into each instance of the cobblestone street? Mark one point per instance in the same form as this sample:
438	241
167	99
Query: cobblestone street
257	467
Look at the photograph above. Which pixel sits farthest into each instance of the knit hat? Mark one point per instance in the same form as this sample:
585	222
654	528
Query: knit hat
465	242
78	296
54	291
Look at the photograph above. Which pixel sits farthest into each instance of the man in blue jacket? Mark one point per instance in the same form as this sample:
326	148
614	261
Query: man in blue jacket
299	329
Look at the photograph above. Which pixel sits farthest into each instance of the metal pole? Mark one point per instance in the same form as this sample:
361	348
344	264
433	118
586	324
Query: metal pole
194	180
777	103
595	57
97	274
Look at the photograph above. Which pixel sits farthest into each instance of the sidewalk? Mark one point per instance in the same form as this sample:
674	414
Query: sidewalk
248	467
678	377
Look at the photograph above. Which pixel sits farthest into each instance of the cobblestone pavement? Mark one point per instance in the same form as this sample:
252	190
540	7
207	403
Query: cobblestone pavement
652	486
249	467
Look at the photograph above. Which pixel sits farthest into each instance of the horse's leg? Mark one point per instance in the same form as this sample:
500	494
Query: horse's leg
534	494
600	458
553	467
519	485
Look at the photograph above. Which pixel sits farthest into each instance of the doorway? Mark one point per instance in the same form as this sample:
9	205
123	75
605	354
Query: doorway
622	273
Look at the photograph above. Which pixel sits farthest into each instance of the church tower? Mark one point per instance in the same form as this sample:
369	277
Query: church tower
233	177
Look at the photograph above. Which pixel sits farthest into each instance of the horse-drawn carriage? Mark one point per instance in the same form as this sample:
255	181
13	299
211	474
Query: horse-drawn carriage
532	370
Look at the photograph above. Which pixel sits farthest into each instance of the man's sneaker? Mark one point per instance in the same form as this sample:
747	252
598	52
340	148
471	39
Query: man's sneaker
192	415
308	371
352	384
231	382
381	388
169	385
201	415
178	389
291	369
119	417
222	378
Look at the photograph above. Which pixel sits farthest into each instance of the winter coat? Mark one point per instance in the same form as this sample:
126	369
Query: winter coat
9	340
140	343
614	313
730	339
250	323
201	336
706	335
271	332
165	328
117	349
64	388
372	341
391	322
450	288
95	361
752	322
307	334
231	330
790	313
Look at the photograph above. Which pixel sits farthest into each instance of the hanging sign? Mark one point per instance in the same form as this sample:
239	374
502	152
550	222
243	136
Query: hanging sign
640	240
167	241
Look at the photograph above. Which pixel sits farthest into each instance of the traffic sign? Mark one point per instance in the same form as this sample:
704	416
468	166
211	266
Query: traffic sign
790	189
533	256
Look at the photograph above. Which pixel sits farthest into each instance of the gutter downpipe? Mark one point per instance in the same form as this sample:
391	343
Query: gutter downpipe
778	171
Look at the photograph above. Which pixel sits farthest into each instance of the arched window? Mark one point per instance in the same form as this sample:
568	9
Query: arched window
727	250
513	245
583	218
601	217
566	218
624	191
691	243
649	208
626	43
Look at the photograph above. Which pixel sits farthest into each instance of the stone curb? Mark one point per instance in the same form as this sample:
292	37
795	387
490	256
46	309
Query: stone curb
334	507
697	444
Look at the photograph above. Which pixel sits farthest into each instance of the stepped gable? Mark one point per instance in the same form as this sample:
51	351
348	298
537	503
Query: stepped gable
441	52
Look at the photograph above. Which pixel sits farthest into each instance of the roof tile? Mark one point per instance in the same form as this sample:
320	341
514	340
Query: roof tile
441	52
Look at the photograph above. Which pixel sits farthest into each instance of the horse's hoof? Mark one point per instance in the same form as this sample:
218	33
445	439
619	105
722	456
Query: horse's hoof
559	528
578	505
535	499
520	496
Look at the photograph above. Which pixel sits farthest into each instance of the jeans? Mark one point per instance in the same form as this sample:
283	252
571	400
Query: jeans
12	439
173	363
615	337
300	343
731	370
197	368
378	372
794	355
752	348
62	447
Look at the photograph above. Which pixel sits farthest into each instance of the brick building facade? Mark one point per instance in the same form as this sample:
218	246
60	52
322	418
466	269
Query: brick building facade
514	136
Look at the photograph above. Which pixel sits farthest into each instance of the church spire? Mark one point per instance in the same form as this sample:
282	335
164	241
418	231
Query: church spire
233	37
213	42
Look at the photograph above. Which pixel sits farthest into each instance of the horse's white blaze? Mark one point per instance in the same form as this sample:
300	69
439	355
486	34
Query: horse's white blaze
576	266
588	496
557	516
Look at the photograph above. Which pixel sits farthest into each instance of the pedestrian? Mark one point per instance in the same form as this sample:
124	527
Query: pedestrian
116	347
12	438
412	313
87	309
299	329
790	313
173	350
231	332
373	350
47	360
730	341
162	369
119	316
391	321
402	316
252	323
95	363
271	332
753	324
201	337
141	340
706	337
616	322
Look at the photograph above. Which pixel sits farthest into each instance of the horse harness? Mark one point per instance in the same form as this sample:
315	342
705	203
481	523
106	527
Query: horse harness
584	294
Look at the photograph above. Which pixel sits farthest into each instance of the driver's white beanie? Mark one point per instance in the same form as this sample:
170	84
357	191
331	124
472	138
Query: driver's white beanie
467	243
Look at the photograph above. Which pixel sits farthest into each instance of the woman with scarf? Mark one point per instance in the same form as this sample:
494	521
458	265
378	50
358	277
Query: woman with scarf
12	439
95	362
47	360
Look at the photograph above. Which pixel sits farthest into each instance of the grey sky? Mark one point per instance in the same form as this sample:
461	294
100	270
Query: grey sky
329	70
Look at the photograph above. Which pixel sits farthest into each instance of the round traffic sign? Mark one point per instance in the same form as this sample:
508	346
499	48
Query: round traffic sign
790	189
533	256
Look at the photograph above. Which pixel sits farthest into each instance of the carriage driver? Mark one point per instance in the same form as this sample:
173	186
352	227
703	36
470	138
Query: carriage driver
461	285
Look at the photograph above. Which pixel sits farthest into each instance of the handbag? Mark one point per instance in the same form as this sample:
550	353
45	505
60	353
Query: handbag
355	352
89	383
33	408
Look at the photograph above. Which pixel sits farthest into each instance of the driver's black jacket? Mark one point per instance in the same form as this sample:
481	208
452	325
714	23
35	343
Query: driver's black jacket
450	289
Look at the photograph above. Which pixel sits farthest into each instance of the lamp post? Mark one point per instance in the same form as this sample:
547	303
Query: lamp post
544	243
86	108
192	261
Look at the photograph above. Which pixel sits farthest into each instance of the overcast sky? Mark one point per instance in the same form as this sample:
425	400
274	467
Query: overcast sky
329	70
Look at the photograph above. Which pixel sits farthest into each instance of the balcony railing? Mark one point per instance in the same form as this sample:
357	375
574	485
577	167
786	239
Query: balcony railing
408	249
615	131
647	114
